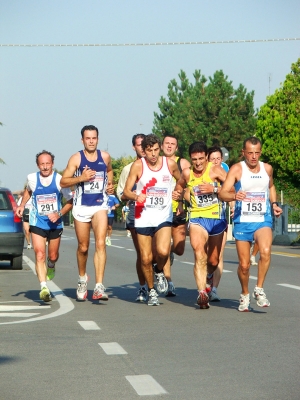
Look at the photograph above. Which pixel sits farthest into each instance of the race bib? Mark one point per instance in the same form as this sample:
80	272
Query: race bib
254	203
156	197
204	199
95	185
46	203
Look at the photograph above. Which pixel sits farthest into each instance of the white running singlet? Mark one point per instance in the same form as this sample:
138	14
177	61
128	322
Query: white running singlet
157	185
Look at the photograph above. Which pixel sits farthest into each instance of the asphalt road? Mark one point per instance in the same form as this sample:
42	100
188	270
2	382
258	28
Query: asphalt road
123	350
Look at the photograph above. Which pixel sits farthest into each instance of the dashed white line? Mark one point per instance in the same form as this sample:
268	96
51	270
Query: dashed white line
89	325
289	286
145	385
112	348
20	308
118	247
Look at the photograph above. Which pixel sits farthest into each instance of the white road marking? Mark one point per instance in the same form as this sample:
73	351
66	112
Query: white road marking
89	325
145	385
19	315
118	247
112	348
129	249
289	286
65	304
253	277
20	308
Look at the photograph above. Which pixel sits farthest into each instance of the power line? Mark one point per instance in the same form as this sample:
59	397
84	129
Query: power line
148	44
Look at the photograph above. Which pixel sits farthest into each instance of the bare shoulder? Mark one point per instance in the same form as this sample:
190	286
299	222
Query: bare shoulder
268	168
74	160
184	163
171	163
186	173
106	156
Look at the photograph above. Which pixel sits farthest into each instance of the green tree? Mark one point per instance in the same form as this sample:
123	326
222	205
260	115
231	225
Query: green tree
209	110
278	126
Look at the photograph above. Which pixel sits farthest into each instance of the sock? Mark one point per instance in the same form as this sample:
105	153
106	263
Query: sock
210	275
144	286
50	264
43	284
83	278
149	290
214	289
99	284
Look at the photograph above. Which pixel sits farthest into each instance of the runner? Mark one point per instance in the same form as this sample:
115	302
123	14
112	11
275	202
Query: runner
255	198
45	218
215	156
153	210
169	148
137	147
125	213
113	204
207	218
26	227
91	172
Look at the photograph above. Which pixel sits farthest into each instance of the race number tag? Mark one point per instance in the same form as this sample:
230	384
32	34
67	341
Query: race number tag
254	203
46	203
204	199
156	197
95	185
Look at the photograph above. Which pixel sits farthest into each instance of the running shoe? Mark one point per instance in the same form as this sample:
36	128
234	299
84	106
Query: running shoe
81	290
45	294
29	246
213	296
161	282
108	241
50	271
99	293
252	260
171	290
171	258
128	234
244	303
142	295
152	298
260	297
203	299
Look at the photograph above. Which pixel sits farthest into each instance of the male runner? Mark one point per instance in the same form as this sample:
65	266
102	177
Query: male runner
137	147
215	156
207	218
90	171
153	210
169	148
45	222
255	198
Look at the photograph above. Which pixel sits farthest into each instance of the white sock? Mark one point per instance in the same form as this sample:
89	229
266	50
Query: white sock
82	278
43	284
214	289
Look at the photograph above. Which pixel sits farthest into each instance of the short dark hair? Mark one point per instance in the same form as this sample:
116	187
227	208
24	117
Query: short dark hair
169	135
44	152
150	140
137	136
213	149
253	140
89	128
198	147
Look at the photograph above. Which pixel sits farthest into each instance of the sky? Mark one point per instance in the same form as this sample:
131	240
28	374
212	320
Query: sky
47	94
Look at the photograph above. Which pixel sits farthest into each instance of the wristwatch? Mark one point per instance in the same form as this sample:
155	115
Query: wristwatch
216	189
59	213
275	202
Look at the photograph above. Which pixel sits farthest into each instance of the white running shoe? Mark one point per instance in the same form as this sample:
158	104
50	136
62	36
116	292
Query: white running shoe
152	298
108	241
161	282
29	246
244	303
142	295
99	293
260	297
82	290
45	294
252	260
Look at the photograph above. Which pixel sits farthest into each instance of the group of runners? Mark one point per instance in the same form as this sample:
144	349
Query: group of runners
165	196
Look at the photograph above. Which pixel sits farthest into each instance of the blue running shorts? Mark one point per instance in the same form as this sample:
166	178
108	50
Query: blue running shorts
212	226
244	231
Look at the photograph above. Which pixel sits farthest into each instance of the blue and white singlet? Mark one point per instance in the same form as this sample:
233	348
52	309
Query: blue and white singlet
93	192
256	206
